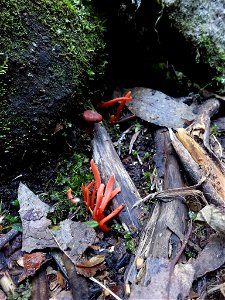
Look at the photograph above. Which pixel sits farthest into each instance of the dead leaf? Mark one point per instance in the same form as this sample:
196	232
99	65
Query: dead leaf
73	238
211	257
63	295
155	107
32	262
58	127
33	213
90	272
159	278
93	261
213	216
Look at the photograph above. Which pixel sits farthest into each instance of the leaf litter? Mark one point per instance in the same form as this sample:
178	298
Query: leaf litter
75	238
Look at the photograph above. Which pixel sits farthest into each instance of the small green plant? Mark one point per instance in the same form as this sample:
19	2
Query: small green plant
4	66
134	153
147	155
23	292
189	254
72	173
215	130
128	238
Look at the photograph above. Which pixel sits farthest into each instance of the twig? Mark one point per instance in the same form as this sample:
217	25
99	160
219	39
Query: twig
177	257
183	191
8	237
105	288
120	140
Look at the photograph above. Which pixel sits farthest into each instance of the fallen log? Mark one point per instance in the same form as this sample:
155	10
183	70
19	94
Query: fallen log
198	164
164	233
109	163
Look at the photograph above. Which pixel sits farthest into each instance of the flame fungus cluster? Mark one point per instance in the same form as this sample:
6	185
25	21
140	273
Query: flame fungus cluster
122	101
97	196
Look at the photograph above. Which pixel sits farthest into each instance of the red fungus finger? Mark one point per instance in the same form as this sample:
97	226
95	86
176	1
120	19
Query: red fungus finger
109	186
98	201
71	198
111	215
128	94
114	193
119	109
112	119
88	198
96	173
93	197
113	101
106	201
104	228
90	184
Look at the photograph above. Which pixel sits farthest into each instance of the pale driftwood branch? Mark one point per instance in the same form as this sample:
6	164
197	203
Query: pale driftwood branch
109	163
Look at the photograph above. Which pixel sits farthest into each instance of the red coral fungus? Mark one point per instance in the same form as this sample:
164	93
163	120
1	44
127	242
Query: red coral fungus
100	197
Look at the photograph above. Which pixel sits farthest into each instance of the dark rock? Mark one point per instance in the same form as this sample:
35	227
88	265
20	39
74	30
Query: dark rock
47	49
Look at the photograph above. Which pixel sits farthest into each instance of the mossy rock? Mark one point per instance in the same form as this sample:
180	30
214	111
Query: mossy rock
50	51
201	23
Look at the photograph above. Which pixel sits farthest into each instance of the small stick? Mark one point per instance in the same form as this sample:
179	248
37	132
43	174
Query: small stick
174	192
105	288
7	237
177	257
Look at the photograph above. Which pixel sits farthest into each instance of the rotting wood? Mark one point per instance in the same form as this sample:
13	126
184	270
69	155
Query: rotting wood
196	172
157	239
209	169
200	128
109	163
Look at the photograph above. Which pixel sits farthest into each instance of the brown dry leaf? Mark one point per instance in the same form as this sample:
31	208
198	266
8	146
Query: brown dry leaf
178	285
33	213
93	261
90	272
32	262
213	216
211	257
58	127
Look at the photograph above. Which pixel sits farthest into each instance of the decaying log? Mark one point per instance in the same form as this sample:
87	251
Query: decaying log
198	164
200	128
109	163
163	234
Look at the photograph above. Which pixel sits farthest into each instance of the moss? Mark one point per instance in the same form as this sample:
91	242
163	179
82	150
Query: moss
207	36
71	174
45	45
72	24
